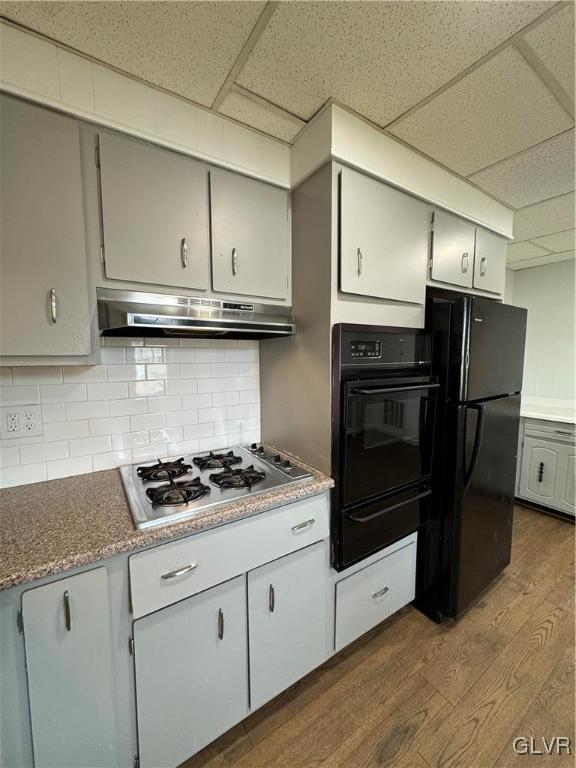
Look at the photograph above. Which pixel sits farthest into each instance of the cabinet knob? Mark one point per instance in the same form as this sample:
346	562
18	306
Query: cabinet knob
464	263
184	252
359	261
482	266
53	305
271	598
234	261
67	611
540	471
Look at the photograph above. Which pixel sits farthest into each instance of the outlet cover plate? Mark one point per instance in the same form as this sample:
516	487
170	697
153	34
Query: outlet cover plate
18	421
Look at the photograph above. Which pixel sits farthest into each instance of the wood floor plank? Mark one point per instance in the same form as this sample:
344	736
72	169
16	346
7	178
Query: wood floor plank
550	714
485	718
222	753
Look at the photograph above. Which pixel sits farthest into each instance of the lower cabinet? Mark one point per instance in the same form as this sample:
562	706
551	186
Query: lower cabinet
70	672
548	468
191	665
539	469
287	621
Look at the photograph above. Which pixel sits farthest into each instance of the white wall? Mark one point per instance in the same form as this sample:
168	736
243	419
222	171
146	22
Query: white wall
144	402
548	294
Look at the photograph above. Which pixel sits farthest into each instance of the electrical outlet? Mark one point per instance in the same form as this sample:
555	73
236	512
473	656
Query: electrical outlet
20	421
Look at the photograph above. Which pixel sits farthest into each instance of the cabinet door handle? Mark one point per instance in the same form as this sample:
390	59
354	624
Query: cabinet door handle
184	252
180	571
303	526
53	305
482	266
360	261
67	611
540	471
220	624
380	593
464	263
234	261
271	599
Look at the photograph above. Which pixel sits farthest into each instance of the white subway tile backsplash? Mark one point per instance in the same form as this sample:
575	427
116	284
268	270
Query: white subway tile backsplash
34	454
147	421
91	409
48	374
147	400
62	393
116	391
111	426
123	341
67	467
87	446
65	430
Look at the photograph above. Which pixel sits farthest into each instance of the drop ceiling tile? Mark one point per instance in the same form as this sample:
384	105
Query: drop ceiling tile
540	172
553	42
499	109
553	215
258	116
526	250
560	241
379	58
539	261
185	47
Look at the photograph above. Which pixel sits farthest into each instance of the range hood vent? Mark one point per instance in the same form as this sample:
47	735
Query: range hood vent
132	313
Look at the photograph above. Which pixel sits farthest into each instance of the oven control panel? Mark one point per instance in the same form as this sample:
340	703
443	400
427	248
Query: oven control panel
362	349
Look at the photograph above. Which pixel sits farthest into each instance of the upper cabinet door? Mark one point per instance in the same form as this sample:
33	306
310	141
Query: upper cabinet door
249	236
70	672
489	261
287	620
155	214
384	240
44	308
452	250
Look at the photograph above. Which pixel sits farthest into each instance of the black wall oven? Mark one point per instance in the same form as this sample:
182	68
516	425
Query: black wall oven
384	406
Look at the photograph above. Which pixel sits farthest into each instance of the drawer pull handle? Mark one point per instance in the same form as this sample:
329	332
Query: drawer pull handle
360	261
464	263
380	593
184	252
234	261
303	526
67	611
180	571
220	624
483	266
53	306
271	598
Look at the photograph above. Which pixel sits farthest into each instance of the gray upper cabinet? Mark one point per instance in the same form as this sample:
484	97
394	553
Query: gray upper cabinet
70	672
44	307
154	214
249	236
489	261
191	665
452	255
384	240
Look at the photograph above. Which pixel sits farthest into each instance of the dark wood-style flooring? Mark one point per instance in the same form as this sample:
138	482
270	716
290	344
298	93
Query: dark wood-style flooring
412	694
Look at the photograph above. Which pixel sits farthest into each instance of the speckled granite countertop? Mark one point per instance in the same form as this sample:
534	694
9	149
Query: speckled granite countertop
50	527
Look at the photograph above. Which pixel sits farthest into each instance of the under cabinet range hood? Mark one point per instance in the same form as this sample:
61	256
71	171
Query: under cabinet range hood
134	313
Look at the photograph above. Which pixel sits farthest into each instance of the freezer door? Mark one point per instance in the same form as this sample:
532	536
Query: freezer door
495	349
485	496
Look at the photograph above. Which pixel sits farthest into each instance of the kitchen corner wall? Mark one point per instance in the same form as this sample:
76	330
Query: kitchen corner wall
146	400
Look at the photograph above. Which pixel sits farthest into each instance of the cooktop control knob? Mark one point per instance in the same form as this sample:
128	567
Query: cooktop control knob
286	465
278	459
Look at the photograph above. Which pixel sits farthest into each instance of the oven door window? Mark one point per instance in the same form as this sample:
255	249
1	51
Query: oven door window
387	441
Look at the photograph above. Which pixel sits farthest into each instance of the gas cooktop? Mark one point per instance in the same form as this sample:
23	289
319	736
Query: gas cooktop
171	490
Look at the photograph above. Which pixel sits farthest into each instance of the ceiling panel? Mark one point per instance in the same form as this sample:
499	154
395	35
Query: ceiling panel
544	218
540	172
186	47
499	109
553	43
527	250
561	241
379	58
259	116
550	258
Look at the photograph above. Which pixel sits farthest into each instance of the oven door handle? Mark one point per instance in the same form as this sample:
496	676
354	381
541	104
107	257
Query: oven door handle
368	518
390	390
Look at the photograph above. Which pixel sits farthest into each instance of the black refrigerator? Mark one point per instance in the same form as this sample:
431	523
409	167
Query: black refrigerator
478	358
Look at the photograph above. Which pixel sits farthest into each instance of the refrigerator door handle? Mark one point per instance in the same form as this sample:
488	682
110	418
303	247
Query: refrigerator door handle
477	442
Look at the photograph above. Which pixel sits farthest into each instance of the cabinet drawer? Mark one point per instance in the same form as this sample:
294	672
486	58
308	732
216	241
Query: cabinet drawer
370	595
174	571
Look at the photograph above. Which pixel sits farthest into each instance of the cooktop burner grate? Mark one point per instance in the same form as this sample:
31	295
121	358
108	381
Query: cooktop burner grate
245	477
217	460
168	470
174	494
